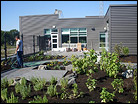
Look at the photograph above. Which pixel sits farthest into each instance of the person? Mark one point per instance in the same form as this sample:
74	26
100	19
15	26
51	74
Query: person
49	44
19	52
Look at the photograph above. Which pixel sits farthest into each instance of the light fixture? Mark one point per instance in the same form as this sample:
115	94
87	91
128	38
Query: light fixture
54	26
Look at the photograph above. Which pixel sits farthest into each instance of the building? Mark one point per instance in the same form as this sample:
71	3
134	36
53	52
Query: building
118	25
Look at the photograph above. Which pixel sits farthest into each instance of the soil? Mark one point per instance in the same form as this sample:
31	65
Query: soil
102	81
129	58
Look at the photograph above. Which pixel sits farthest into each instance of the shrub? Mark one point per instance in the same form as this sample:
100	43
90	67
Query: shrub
41	52
52	91
4	83
118	85
23	81
17	87
125	51
38	99
110	63
57	67
33	79
64	83
12	99
118	49
91	101
25	91
91	84
39	83
53	80
106	96
4	94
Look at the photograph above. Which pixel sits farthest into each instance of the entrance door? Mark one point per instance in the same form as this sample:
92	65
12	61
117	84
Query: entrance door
54	41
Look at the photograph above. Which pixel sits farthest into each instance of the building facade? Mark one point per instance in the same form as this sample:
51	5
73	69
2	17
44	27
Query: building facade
118	25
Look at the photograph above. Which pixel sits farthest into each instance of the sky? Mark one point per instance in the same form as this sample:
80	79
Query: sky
11	10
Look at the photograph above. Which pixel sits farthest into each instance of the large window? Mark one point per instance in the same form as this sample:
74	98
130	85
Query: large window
102	39
46	31
65	38
65	30
73	39
82	40
54	30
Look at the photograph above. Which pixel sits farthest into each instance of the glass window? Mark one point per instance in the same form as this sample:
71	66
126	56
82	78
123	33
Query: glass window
54	45
47	31
82	30
65	30
65	38
73	39
48	36
54	30
74	30
54	36
54	40
73	34
82	39
82	34
102	40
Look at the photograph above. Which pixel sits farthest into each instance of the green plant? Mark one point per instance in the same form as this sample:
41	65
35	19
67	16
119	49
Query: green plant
53	80
52	91
12	99
38	99
31	58
4	94
125	51
25	91
135	83
10	82
118	85
91	101
110	63
80	65
33	79
17	87
75	91
106	96
64	83
4	83
47	56
91	84
118	49
41	52
65	62
23	81
57	67
38	83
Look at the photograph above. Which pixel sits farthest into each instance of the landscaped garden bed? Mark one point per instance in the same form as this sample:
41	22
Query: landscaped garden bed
95	83
6	65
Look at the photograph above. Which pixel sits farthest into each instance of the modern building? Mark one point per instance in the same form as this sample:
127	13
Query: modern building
118	25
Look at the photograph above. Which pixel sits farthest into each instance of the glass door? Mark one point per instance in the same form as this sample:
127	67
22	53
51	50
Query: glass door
54	41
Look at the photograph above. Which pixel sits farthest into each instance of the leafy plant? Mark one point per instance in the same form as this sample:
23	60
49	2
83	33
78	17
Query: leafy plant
110	63
4	83
33	79
17	87
38	83
25	91
118	85
51	90
135	83
57	67
23	81
75	91
53	80
41	52
91	84
65	62
4	94
31	58
64	85
10	82
38	99
91	101
125	51
118	49
12	99
106	96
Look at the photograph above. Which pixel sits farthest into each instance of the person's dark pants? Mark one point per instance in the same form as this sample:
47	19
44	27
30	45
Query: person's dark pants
20	58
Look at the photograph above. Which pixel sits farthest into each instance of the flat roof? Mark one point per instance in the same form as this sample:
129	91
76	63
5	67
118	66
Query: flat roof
123	5
40	15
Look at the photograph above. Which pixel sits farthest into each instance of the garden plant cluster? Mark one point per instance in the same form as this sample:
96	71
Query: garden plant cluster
83	66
